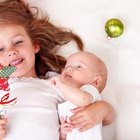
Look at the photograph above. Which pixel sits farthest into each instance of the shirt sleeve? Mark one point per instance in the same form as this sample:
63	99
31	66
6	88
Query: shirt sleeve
51	74
93	91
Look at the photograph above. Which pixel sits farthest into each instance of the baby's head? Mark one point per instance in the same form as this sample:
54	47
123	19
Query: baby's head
86	68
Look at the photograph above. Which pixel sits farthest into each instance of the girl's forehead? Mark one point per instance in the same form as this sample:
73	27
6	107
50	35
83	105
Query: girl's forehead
13	27
12	30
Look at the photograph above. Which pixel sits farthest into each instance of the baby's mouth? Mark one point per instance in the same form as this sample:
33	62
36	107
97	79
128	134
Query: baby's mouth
67	76
16	62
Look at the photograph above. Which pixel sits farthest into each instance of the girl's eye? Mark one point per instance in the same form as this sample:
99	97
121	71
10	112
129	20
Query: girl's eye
18	42
1	49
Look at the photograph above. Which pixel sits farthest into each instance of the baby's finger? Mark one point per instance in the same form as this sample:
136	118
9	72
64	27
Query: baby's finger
67	130
62	120
67	119
53	82
66	125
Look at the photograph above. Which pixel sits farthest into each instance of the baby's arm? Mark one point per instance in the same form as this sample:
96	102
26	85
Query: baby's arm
72	93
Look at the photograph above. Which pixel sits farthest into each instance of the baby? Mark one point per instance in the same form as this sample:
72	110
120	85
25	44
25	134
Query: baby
83	78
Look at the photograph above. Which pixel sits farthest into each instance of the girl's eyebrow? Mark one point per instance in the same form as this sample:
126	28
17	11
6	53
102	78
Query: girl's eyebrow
18	35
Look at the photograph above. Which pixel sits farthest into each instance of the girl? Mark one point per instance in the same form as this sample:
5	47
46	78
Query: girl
30	43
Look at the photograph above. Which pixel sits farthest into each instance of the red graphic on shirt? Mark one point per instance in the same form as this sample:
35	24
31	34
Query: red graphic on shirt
4	84
5	72
4	100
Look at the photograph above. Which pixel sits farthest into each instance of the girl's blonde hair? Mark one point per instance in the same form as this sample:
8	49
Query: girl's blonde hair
41	31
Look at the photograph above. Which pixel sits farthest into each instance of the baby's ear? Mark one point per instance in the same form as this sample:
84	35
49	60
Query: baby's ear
97	80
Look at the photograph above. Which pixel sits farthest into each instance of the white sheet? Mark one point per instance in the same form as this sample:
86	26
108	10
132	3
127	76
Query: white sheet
122	54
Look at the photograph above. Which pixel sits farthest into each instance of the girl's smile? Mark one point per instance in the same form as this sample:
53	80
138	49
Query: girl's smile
16	62
17	49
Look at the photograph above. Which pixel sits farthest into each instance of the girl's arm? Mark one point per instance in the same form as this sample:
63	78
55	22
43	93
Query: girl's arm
91	115
72	93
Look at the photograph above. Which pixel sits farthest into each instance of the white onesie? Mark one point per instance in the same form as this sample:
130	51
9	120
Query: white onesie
95	133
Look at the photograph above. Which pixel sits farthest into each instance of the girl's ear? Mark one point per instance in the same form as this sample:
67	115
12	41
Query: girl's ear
97	81
36	48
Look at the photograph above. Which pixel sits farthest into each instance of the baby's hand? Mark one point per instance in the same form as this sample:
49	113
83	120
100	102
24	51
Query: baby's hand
3	122
65	127
56	81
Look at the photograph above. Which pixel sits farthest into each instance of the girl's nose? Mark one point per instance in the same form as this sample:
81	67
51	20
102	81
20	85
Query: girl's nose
12	53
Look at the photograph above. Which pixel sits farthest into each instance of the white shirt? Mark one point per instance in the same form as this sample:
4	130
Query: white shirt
34	116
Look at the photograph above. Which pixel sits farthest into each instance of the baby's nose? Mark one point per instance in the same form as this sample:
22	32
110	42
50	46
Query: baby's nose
69	69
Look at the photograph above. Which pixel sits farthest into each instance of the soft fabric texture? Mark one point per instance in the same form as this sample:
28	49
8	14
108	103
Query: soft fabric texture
122	55
34	116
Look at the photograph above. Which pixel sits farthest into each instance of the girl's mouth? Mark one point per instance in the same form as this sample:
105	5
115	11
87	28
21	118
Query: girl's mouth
16	62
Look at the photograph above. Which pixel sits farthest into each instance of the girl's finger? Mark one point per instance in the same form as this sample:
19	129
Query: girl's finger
2	133
79	125
75	110
3	121
75	116
77	121
85	127
2	127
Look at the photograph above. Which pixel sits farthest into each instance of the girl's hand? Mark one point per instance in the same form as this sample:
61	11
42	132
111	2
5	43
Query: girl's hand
91	115
3	122
65	127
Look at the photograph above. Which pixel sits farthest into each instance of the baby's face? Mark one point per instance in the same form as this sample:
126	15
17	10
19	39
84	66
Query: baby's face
80	69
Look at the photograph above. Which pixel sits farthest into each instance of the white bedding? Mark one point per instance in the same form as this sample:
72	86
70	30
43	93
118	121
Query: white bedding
122	55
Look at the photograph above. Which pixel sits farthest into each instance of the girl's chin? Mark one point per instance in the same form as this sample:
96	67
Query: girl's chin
16	74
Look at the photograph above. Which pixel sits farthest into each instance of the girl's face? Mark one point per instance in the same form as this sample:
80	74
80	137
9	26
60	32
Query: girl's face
17	49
